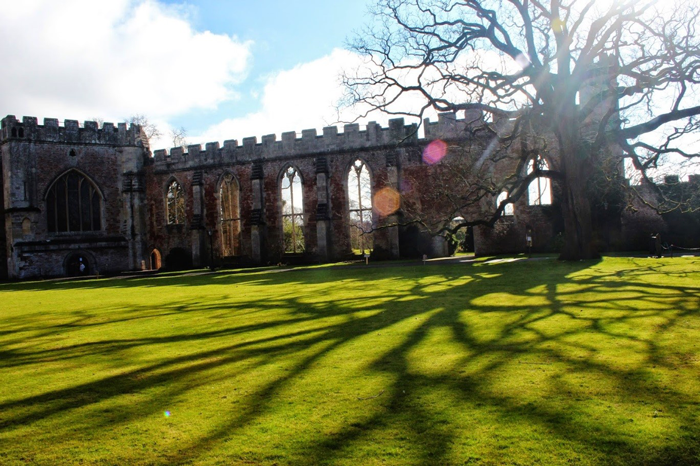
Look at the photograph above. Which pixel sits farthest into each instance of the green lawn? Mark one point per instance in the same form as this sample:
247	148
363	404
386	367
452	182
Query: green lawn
527	362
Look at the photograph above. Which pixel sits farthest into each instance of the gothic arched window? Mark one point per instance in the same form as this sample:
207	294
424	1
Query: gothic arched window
508	209
73	204
360	207
292	211
229	216
540	190
175	203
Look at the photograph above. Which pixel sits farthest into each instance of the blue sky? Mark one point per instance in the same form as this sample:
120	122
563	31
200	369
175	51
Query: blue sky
220	69
284	34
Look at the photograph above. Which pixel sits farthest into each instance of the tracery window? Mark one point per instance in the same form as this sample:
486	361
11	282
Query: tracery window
175	203
540	190
360	208
229	216
73	204
508	209
292	211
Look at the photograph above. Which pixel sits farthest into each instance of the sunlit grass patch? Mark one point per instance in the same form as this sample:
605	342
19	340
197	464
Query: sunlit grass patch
520	362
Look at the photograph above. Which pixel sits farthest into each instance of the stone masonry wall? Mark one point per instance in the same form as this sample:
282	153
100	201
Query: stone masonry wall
33	157
3	231
392	155
133	188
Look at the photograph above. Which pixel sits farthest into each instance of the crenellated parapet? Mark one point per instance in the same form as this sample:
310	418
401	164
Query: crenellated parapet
312	144
675	180
71	132
449	126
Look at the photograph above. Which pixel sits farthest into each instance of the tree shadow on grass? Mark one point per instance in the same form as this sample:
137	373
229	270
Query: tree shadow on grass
474	362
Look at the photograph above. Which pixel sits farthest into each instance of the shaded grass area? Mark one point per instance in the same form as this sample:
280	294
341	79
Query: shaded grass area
529	362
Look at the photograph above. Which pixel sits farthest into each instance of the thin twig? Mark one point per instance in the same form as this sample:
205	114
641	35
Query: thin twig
371	397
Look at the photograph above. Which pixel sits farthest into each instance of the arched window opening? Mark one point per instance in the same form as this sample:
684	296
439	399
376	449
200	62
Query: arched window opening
229	216
508	209
175	203
292	212
540	190
360	208
73	204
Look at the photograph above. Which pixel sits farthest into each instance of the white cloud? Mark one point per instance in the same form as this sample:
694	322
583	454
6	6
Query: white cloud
307	97
81	59
301	98
291	100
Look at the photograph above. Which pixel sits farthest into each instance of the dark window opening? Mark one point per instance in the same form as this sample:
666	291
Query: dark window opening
73	204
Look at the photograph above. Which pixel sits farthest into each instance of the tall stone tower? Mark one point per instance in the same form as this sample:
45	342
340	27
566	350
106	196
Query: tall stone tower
73	197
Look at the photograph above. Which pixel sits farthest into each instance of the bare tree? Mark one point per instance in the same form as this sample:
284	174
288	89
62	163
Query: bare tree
150	129
586	82
179	137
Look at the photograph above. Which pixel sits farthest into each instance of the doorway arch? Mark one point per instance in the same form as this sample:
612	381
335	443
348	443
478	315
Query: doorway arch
155	260
78	264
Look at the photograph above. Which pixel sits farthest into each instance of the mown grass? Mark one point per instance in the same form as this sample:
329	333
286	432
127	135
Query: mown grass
529	362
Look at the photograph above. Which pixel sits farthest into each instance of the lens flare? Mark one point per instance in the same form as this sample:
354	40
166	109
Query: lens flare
166	413
558	25
386	201
434	152
522	61
406	186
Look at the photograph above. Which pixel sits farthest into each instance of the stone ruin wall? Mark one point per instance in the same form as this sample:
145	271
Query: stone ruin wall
134	184
322	161
33	156
392	154
640	220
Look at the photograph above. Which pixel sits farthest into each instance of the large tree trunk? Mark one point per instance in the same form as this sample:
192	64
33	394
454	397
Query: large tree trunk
576	207
578	231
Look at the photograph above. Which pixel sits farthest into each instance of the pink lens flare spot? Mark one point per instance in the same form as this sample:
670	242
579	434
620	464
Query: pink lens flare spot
386	201
434	152
166	413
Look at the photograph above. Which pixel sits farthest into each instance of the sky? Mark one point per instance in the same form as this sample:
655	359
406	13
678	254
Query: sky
219	69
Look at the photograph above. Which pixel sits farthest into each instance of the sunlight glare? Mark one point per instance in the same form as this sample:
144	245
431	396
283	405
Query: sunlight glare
558	25
522	61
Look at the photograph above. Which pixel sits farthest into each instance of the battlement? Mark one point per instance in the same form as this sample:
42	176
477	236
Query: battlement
449	126
310	142
675	180
71	132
